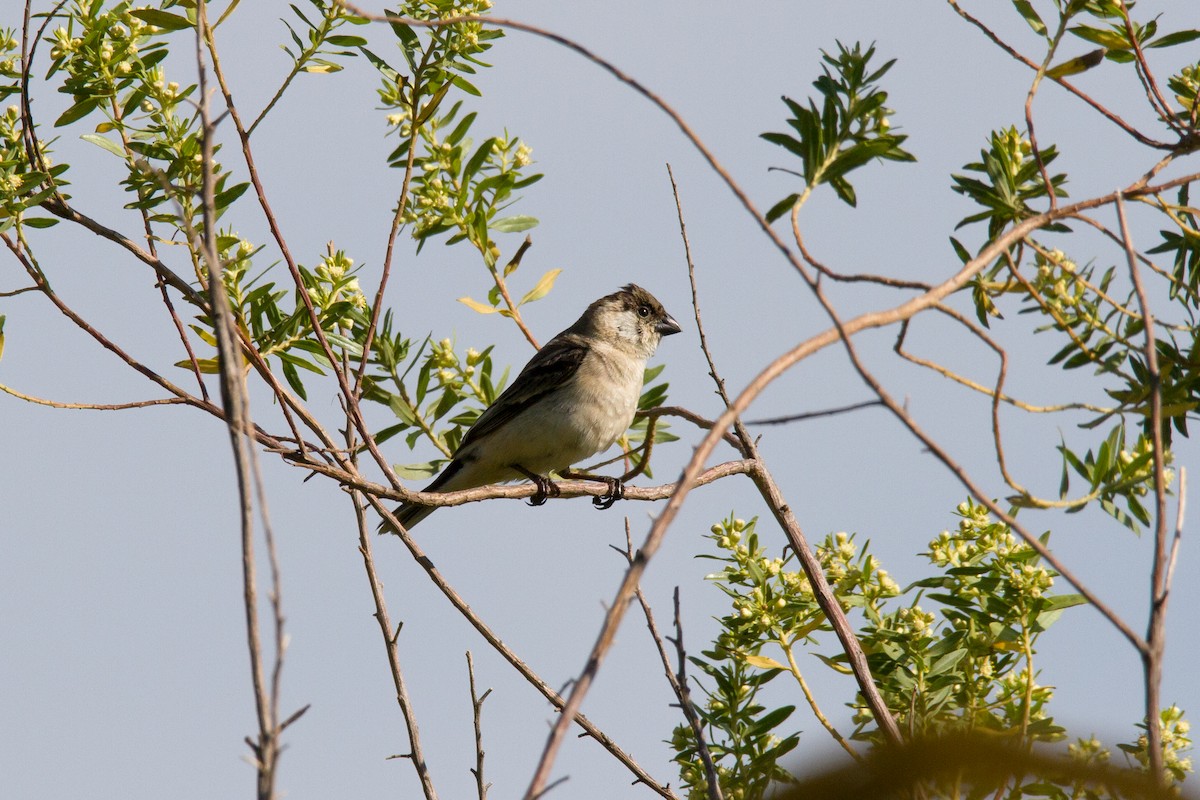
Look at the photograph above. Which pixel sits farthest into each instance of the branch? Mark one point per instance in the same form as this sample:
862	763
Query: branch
481	788
1152	654
678	680
391	636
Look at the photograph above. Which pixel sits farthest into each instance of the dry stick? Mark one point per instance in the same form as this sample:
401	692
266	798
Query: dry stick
481	787
492	639
822	592
234	400
1152	655
567	489
710	769
678	680
390	641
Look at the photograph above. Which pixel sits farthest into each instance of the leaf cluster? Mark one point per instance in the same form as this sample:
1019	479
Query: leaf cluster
1006	179
848	130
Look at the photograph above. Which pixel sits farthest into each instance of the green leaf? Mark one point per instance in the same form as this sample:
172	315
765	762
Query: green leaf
1077	65
783	207
1109	39
223	199
78	111
39	222
475	305
346	41
106	143
1172	39
168	22
1025	9
764	662
542	288
513	224
414	471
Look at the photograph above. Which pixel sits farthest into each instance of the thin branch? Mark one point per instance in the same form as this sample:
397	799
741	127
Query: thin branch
1152	655
391	636
807	415
161	401
513	309
22	290
1159	103
1178	538
481	788
678	679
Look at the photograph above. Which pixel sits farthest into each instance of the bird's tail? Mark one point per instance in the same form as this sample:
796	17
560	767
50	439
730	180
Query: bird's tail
409	514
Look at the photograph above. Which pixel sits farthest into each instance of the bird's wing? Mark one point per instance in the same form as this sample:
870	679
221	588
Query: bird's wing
552	367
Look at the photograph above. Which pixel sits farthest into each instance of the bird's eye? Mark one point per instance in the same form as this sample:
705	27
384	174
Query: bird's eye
643	311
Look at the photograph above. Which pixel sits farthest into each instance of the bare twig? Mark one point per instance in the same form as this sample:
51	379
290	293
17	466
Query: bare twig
161	401
477	699
513	309
678	679
1152	654
22	290
807	415
391	637
1178	538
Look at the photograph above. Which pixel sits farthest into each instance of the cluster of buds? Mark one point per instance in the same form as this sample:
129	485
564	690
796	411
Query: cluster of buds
1176	740
10	64
976	538
335	284
1058	280
1138	466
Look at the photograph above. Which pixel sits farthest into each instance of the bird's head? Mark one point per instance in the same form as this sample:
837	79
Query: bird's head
630	318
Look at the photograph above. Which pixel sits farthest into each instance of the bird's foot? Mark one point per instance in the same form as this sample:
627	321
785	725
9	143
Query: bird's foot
616	491
546	488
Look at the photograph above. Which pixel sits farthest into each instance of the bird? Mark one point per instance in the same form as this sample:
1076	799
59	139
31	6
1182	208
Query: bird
574	399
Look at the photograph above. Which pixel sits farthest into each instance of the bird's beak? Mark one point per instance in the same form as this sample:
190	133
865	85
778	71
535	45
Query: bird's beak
667	325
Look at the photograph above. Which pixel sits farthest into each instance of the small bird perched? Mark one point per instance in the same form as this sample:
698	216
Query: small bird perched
573	399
